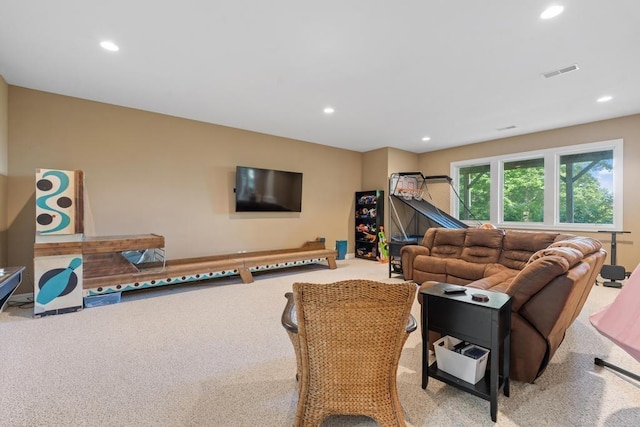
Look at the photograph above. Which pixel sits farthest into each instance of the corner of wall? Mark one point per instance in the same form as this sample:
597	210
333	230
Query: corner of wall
4	127
374	169
4	168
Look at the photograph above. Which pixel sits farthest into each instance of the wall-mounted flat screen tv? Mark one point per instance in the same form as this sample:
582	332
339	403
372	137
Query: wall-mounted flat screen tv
267	190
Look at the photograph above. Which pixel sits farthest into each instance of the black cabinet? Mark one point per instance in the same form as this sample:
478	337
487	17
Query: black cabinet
485	323
369	223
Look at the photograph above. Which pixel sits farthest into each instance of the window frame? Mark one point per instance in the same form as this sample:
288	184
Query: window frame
458	196
551	157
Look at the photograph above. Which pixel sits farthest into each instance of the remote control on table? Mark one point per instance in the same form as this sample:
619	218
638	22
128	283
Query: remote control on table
449	291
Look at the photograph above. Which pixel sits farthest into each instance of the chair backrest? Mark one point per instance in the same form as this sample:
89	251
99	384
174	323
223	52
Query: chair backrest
351	337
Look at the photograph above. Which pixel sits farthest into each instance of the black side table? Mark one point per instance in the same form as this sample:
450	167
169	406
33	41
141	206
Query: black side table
487	324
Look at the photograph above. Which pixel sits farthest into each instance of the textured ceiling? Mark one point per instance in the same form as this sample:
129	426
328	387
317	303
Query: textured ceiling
456	71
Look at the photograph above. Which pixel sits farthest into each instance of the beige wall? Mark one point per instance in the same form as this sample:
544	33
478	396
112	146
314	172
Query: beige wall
4	168
150	173
377	167
374	170
626	128
402	161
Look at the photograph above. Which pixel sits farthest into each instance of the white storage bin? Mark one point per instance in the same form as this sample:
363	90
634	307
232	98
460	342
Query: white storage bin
466	368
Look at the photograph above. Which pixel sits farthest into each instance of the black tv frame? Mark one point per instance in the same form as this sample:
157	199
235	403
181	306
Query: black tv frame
282	194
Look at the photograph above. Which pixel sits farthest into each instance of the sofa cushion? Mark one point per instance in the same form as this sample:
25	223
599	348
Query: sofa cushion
482	246
448	243
462	271
570	254
429	235
447	270
585	245
518	246
496	278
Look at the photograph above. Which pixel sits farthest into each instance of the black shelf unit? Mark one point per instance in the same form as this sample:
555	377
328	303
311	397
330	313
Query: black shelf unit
369	220
485	323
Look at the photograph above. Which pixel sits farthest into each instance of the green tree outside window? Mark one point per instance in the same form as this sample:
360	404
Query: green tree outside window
475	191
524	191
586	188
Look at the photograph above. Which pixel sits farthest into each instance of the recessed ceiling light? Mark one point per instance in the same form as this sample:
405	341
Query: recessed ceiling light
552	12
605	98
426	138
328	110
109	45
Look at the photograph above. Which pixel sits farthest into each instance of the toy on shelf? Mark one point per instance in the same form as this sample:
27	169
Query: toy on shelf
366	228
368	199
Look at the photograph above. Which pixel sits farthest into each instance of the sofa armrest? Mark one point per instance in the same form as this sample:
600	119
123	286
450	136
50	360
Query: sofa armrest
408	254
534	277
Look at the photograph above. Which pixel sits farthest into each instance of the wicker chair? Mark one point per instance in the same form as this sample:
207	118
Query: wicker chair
348	337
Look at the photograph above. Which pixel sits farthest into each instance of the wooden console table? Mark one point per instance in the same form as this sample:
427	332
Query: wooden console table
487	324
106	270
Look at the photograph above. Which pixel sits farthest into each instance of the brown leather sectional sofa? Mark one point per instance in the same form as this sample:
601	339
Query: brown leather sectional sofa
548	275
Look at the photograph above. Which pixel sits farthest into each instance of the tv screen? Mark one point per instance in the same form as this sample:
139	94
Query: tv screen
267	190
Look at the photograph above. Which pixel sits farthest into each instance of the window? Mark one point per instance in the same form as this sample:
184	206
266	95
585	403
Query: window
586	188
523	191
475	191
575	187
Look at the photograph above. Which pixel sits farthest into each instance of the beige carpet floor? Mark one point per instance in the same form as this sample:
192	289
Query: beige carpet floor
215	354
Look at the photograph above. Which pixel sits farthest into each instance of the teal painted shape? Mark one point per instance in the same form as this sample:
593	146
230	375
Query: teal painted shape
53	287
41	202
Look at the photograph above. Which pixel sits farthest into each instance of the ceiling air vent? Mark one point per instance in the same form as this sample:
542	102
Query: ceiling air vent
564	70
